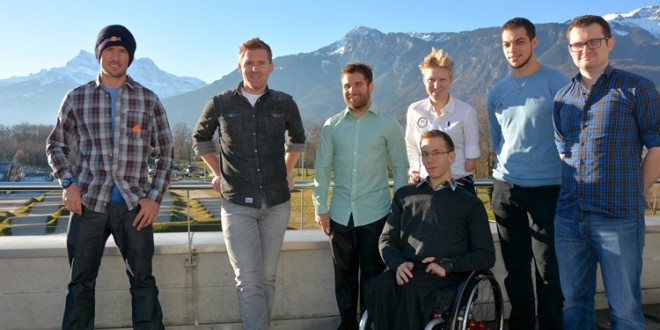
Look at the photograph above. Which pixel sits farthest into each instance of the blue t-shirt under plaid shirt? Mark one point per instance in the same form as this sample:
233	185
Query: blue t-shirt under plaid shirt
602	132
110	156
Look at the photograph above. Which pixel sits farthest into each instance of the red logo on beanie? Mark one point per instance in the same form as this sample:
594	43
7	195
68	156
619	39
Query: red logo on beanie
107	40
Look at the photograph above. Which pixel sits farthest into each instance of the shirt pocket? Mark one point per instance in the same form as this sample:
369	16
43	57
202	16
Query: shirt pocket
275	122
137	125
232	127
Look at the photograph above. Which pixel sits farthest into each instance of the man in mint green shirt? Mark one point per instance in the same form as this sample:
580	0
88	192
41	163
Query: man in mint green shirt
357	144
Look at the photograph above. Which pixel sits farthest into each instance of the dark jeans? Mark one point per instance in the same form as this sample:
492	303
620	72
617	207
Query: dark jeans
86	239
525	223
355	254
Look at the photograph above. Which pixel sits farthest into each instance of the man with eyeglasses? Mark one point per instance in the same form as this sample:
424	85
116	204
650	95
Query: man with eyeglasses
527	175
603	119
435	232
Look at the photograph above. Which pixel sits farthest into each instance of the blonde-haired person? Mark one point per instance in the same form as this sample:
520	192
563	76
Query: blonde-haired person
446	113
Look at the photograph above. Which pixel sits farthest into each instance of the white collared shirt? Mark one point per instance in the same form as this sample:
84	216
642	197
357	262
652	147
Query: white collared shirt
458	119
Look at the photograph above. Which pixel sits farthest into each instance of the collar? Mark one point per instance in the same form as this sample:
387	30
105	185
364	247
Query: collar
451	183
237	91
608	71
447	109
372	109
130	83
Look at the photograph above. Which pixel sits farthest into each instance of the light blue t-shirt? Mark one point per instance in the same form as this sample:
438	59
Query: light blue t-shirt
520	118
115	195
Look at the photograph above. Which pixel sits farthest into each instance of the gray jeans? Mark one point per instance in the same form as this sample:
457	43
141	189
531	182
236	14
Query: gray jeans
254	238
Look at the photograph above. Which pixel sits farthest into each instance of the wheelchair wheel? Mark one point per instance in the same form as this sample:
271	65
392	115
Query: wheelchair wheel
365	322
480	306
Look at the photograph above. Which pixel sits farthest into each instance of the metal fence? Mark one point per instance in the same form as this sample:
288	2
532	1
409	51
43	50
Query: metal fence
302	192
302	188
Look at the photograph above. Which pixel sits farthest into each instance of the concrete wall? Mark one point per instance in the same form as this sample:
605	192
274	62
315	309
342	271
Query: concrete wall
199	293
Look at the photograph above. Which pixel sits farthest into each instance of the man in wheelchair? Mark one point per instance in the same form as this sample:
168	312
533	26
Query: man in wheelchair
435	234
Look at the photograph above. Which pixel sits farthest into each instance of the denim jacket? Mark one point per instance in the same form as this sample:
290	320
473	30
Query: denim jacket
252	144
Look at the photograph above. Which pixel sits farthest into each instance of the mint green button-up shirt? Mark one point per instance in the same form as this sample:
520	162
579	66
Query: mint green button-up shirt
358	150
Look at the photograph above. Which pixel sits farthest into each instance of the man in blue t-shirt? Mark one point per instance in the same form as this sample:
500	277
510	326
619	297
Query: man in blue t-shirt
527	175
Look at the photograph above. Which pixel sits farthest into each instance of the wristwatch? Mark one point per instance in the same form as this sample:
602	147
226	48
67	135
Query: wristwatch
67	182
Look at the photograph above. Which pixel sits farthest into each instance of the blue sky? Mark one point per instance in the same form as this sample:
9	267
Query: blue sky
201	38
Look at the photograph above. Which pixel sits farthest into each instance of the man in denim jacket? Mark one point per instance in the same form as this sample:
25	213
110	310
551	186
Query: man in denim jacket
253	174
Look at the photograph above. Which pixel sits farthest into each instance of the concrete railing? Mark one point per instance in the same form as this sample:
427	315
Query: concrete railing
196	282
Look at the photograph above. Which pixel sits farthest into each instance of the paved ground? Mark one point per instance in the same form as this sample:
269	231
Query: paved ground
651	313
34	223
15	200
209	199
166	206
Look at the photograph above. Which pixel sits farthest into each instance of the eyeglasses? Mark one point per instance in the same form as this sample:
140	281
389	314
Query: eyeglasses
434	154
591	44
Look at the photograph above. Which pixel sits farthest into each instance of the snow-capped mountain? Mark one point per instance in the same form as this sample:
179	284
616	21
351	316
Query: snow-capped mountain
84	67
313	78
40	94
647	18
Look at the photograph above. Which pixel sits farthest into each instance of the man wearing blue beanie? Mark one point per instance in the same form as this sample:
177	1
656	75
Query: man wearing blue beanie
116	124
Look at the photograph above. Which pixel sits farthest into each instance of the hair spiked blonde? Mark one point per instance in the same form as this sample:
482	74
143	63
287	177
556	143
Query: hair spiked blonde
437	58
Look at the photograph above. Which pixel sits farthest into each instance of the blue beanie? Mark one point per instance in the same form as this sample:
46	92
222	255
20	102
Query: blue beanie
115	35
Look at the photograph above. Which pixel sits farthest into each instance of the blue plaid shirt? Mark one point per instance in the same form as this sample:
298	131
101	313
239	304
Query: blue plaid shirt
602	132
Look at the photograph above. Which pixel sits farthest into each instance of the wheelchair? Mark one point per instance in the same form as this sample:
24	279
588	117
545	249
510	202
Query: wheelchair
477	305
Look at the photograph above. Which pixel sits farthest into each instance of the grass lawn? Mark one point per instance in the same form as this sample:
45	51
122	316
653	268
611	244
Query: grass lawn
302	207
307	209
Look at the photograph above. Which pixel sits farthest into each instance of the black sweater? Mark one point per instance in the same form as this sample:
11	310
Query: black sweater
442	224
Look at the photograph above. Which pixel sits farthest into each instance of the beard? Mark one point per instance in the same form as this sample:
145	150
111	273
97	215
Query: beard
523	63
114	72
117	74
361	104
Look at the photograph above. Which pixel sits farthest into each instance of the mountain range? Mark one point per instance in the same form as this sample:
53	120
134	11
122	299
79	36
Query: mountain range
36	98
313	78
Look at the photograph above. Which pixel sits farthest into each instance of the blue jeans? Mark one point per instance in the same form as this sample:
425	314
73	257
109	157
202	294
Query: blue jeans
253	237
617	245
525	224
85	242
